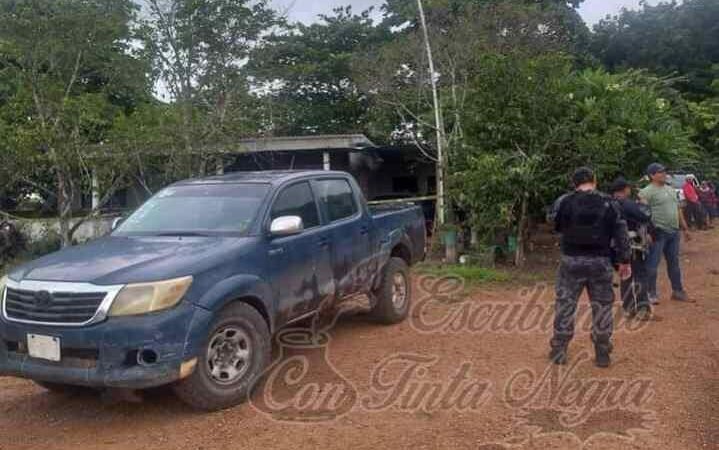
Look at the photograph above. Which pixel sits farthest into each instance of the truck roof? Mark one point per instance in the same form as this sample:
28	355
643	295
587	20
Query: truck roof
269	176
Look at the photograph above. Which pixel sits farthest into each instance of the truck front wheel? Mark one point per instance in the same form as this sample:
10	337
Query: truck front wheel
237	351
393	297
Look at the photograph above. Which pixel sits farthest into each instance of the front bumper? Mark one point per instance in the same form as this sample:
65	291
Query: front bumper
106	354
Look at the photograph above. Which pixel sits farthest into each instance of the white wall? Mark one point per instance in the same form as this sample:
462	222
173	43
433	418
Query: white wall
37	229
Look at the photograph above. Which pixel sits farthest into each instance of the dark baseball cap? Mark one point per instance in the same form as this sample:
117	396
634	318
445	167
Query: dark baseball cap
655	168
582	175
619	184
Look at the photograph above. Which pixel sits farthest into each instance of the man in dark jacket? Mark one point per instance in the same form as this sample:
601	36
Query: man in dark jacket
589	222
635	293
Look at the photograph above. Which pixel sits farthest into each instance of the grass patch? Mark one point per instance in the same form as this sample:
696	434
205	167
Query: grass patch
472	275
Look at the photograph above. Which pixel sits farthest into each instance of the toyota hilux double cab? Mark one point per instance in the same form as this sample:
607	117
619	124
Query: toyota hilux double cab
189	289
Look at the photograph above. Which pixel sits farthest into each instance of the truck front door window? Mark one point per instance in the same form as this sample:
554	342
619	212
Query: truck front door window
297	200
337	199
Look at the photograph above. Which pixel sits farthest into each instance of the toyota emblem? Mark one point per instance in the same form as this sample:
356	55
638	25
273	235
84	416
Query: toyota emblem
43	299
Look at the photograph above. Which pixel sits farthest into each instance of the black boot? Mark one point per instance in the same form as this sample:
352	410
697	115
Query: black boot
602	352
558	356
644	314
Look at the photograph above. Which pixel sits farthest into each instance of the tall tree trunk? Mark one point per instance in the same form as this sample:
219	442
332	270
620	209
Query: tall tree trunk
64	207
189	157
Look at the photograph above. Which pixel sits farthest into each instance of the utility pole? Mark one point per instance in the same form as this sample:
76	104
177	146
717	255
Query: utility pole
439	125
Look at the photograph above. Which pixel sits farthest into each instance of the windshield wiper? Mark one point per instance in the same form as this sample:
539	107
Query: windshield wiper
183	234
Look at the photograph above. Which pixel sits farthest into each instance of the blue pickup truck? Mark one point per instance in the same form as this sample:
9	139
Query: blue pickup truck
190	288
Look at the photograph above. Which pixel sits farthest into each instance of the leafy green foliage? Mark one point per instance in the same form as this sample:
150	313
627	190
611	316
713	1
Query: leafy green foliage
396	74
676	38
199	50
67	72
307	74
398	12
704	115
530	122
627	123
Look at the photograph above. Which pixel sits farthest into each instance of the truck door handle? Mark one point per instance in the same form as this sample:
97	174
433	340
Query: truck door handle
364	230
276	251
323	242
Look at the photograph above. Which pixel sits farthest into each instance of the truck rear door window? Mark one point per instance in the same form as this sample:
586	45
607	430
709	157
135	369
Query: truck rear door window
297	200
337	199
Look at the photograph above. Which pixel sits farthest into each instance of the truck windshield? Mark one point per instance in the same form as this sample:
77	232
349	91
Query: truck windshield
196	210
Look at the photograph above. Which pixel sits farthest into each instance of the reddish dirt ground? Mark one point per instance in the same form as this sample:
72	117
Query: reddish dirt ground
678	357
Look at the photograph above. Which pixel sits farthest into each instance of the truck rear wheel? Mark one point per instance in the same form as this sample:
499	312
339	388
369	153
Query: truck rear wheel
237	351
394	295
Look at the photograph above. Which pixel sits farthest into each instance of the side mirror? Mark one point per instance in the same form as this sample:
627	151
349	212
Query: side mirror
116	223
286	226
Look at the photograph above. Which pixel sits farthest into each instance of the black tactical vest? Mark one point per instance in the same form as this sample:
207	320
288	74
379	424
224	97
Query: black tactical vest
586	224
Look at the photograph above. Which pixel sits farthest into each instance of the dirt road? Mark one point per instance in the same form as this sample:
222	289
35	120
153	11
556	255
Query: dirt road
449	378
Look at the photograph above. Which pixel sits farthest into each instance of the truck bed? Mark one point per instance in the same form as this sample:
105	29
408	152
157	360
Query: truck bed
403	218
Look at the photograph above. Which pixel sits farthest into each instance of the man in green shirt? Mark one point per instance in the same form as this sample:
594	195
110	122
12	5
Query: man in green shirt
668	220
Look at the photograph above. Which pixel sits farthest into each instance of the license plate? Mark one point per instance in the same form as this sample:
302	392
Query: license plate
43	347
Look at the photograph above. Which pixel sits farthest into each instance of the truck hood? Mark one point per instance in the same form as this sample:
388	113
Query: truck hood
121	260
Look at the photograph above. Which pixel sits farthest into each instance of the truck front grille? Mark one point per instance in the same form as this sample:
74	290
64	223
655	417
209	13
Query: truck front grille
52	308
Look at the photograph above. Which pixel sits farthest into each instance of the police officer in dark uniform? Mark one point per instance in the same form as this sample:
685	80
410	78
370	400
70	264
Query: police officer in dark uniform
589	222
635	293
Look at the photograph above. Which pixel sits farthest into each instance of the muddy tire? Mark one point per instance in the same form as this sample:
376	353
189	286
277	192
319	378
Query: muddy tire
393	297
236	352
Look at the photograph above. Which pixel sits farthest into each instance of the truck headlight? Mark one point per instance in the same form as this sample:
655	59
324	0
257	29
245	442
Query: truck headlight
143	298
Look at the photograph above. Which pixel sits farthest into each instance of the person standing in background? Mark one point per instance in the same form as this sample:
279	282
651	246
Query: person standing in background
668	220
694	211
708	199
635	296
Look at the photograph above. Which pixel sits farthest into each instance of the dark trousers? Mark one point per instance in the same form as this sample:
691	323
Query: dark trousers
695	214
709	210
576	274
635	290
665	243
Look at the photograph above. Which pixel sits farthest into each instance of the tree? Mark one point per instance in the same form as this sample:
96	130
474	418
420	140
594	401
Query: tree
305	75
199	49
678	41
399	77
668	39
705	119
70	72
518	142
558	19
531	121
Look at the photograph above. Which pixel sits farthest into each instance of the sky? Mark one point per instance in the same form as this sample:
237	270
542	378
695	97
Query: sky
307	10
